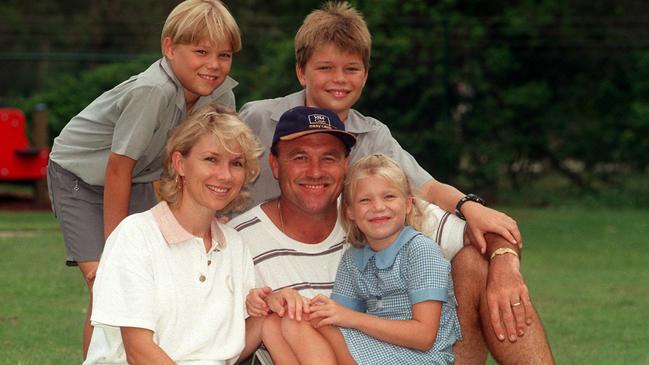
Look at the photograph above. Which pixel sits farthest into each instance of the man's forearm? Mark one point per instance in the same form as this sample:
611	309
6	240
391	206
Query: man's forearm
498	246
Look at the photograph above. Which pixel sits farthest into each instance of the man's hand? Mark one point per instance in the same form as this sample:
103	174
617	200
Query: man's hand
481	220
256	302
510	307
288	301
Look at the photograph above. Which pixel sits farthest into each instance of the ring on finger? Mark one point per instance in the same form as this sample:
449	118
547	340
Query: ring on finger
516	304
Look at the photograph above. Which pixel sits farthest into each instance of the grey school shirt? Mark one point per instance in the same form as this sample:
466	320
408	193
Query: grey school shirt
371	135
132	119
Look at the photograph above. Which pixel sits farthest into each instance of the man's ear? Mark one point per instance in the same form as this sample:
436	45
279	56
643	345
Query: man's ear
274	166
299	72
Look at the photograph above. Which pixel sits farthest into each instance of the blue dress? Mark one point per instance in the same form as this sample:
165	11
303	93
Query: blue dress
387	284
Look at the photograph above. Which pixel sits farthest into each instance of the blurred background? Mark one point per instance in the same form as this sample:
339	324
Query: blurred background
534	103
540	106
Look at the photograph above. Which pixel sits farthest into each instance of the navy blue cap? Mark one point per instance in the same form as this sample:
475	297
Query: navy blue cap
303	120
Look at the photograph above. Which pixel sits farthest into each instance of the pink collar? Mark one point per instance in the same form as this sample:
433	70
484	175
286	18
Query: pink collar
173	232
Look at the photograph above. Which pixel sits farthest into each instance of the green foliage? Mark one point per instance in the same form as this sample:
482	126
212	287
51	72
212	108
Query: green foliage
486	96
66	95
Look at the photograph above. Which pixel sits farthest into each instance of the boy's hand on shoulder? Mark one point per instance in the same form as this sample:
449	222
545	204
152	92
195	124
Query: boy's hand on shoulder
481	220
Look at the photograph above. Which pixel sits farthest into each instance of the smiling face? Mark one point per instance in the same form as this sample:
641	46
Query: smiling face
200	68
379	210
310	170
333	79
212	175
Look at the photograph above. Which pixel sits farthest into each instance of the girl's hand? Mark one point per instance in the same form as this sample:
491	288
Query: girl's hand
256	302
331	312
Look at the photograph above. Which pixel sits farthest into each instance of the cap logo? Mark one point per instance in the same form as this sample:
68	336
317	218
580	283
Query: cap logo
319	121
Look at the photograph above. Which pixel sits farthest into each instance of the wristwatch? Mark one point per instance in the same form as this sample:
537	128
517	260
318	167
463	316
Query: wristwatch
467	198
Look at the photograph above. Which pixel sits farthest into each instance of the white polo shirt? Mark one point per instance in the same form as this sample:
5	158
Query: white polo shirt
155	275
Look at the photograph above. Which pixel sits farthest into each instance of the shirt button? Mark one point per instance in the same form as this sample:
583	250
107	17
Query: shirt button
201	278
209	262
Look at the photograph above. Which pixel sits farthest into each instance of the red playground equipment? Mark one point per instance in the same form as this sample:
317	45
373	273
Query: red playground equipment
18	160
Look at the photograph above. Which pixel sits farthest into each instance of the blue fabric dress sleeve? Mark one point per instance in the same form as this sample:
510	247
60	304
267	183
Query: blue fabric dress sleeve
345	288
428	272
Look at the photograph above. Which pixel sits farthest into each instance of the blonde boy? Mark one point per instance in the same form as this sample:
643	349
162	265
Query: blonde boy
103	163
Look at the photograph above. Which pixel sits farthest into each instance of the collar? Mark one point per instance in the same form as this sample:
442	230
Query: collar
356	123
386	257
288	102
173	232
227	85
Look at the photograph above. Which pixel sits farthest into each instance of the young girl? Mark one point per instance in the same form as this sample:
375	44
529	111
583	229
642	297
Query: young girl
393	300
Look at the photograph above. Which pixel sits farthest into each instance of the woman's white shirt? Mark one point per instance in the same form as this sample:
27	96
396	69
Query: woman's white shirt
155	275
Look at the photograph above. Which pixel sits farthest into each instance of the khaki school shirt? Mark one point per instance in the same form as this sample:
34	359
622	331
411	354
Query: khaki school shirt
132	119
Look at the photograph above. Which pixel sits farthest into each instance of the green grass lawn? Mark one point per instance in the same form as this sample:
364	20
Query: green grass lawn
587	271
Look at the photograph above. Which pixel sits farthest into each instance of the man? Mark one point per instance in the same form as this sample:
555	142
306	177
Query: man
296	242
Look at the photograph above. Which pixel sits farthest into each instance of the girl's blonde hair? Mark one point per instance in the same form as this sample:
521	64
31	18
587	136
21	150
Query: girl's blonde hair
226	128
379	165
194	20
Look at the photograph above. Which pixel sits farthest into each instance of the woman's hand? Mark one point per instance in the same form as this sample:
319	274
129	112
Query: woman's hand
256	302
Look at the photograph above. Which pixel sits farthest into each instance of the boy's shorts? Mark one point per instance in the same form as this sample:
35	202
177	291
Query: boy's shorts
79	208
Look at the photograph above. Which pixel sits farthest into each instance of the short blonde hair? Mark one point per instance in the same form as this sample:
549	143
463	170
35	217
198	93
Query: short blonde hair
378	165
194	20
336	23
226	127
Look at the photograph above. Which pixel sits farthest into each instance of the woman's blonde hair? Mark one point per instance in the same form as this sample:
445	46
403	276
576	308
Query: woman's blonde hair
194	20
337	23
378	165
226	128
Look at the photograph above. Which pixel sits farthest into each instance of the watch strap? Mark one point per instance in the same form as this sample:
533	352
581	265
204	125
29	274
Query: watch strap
467	198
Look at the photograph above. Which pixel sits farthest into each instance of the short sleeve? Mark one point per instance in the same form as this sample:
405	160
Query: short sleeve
384	142
344	291
124	292
428	272
139	117
446	229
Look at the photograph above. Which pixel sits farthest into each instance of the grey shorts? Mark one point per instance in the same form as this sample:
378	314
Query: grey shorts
79	208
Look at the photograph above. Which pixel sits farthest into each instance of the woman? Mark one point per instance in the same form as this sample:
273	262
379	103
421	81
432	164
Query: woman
172	281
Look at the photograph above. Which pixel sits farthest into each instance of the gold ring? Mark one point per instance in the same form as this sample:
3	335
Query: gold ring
516	304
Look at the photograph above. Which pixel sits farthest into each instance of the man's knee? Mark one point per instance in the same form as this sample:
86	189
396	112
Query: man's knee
469	268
